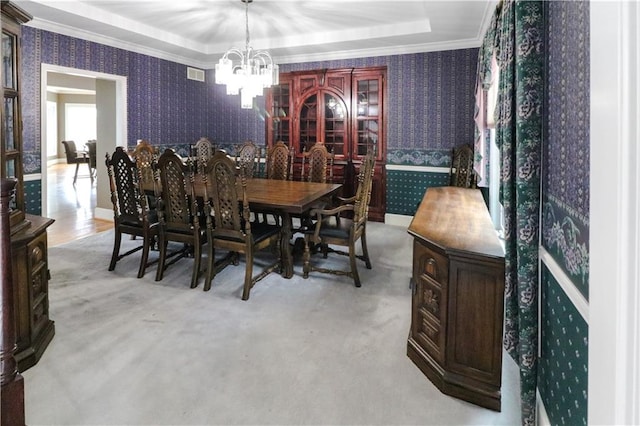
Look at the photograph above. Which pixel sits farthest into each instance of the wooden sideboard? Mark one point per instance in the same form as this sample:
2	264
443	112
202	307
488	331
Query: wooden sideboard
457	296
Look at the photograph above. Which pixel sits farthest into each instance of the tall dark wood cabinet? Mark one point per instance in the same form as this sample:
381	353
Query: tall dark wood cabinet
34	328
344	109
457	296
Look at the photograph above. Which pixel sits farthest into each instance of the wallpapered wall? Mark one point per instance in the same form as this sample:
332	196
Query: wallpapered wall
430	101
565	228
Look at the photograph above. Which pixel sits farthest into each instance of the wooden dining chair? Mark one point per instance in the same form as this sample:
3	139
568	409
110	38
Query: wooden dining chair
144	154
228	224
461	172
201	152
76	157
178	214
248	158
131	213
332	228
279	162
317	164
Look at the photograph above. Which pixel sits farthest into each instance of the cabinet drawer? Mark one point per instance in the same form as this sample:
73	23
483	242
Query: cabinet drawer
428	262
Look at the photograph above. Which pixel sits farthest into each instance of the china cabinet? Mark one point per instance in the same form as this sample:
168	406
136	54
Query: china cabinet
344	109
34	329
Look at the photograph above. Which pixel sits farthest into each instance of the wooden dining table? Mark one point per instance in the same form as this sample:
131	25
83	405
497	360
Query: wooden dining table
283	197
287	197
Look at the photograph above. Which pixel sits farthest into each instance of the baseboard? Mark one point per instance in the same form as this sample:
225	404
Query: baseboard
397	219
103	214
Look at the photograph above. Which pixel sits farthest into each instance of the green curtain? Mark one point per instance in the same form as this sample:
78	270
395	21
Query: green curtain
520	54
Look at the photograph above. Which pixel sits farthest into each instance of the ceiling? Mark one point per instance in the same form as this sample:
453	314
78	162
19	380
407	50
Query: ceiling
198	32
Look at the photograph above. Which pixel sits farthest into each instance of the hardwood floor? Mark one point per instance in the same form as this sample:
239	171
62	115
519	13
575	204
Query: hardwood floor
71	205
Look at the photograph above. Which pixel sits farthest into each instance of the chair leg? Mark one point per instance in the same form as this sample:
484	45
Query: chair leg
305	257
365	251
75	176
352	261
211	265
116	249
90	172
248	273
162	247
197	257
146	243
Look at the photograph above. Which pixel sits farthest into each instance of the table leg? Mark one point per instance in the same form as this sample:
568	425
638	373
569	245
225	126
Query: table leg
285	247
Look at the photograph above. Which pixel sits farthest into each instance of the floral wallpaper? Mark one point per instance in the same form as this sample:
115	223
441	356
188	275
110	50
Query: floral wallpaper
430	99
566	156
563	372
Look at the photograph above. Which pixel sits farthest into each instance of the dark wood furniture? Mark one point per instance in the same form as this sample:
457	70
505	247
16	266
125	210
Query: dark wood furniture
317	164
345	109
34	329
279	161
178	214
287	197
458	296
461	172
11	382
331	228
131	213
77	157
225	184
248	158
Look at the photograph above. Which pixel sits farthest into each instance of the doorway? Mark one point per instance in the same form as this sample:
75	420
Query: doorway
84	208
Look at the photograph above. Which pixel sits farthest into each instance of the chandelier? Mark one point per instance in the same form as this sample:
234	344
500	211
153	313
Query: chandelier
253	71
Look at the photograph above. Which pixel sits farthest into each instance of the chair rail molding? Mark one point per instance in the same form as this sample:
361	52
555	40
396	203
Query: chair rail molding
614	299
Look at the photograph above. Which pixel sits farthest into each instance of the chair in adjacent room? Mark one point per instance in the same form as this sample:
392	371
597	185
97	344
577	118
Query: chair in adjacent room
461	173
332	228
248	158
92	150
230	228
178	214
131	213
76	157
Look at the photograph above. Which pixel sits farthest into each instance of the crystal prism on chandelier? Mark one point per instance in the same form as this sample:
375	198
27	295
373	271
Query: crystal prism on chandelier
250	74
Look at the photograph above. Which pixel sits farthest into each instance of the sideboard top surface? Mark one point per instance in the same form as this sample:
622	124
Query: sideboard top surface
445	208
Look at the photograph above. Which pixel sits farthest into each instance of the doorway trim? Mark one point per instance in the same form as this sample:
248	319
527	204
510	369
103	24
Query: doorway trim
121	116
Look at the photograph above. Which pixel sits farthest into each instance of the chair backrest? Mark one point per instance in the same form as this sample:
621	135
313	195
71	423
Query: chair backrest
363	192
129	202
315	163
145	157
179	205
70	151
92	147
231	216
202	151
247	155
461	173
279	162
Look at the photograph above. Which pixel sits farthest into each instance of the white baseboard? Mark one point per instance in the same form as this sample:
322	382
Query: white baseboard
398	219
103	214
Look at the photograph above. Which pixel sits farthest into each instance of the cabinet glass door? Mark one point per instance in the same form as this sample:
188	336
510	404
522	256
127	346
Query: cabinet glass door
367	131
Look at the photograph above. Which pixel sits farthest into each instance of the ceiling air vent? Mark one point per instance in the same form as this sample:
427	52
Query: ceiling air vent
195	74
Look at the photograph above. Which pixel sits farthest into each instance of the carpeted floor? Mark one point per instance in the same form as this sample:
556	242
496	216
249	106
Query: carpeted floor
315	351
